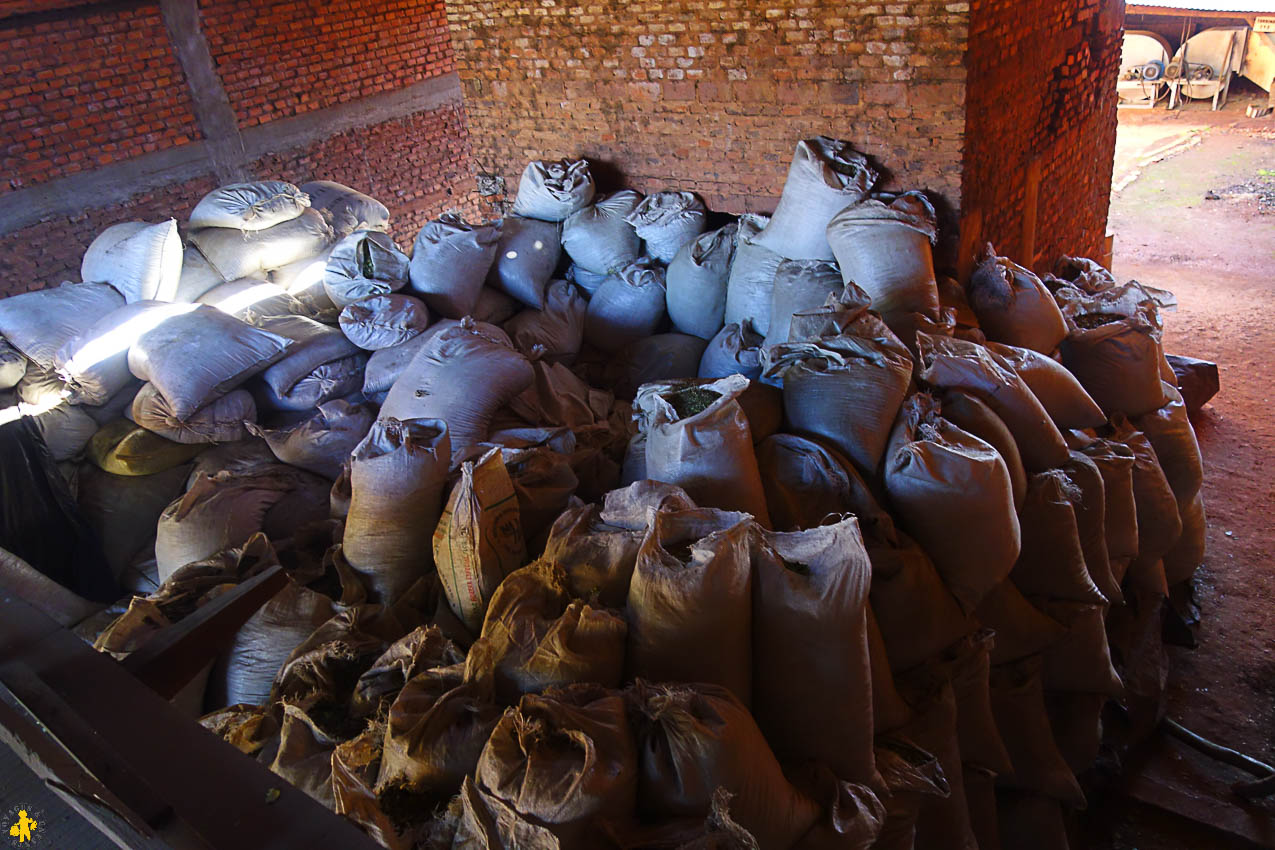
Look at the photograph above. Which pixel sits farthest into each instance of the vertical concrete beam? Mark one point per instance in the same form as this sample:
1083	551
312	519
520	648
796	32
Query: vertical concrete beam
212	108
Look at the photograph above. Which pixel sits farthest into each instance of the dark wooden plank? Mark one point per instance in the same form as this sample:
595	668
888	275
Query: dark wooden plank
1174	778
177	653
219	798
67	729
53	765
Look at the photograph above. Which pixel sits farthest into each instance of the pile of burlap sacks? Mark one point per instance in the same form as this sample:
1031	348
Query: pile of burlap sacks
757	535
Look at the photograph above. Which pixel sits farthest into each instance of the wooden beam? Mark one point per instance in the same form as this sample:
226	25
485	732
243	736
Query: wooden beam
968	245
1031	210
1172	778
70	780
1172	12
189	787
177	653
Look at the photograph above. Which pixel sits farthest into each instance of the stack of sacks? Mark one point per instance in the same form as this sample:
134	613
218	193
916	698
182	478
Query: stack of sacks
144	366
320	364
884	549
36	326
883	244
844	376
249	231
349	209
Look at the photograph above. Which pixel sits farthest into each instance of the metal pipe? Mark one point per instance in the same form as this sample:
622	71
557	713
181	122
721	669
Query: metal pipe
1265	773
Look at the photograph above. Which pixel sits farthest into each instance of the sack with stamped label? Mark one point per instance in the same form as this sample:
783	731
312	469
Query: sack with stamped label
479	539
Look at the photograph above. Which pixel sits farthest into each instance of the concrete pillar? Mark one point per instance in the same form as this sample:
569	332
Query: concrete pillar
212	108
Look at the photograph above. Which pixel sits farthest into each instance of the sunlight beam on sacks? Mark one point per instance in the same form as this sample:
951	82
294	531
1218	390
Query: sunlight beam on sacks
119	339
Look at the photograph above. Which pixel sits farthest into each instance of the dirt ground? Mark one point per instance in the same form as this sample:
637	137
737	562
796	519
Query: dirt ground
1195	214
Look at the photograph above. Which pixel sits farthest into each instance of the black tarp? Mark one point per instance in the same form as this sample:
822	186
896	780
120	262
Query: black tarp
40	521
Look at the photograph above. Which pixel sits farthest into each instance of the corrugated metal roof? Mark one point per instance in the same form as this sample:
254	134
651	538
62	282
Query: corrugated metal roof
1258	6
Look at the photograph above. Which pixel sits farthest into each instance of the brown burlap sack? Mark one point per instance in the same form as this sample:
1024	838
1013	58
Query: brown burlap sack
339	497
1052	562
889	710
396	486
564	760
1113	349
1159	523
1137	648
1115	462
911	776
695	738
597	547
718	831
305	755
810	653
980	796
966	665
1021	629
544	483
942	821
1013	305
967	412
690	601
919	617
957	364
853	814
355	764
535	637
1057	390
1076	721
1019	705
804	480
1088	497
247	728
217	512
424	648
485	822
698	438
1173	438
436	729
1081	661
951	491
320	674
479	539
1028	819
1186	556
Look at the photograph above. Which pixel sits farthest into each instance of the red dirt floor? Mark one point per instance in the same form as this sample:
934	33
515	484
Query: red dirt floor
1218	256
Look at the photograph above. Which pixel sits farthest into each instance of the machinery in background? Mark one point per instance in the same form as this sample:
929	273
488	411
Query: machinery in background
1205	63
1143	61
1202	68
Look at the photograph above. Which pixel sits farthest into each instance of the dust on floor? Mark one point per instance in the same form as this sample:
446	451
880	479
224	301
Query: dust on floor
1198	219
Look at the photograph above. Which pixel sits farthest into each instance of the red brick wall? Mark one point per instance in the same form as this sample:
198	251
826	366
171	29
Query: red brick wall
48	253
287	57
417	166
86	88
1041	100
105	86
712	95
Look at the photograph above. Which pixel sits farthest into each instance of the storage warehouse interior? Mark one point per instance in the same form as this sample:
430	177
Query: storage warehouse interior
651	424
